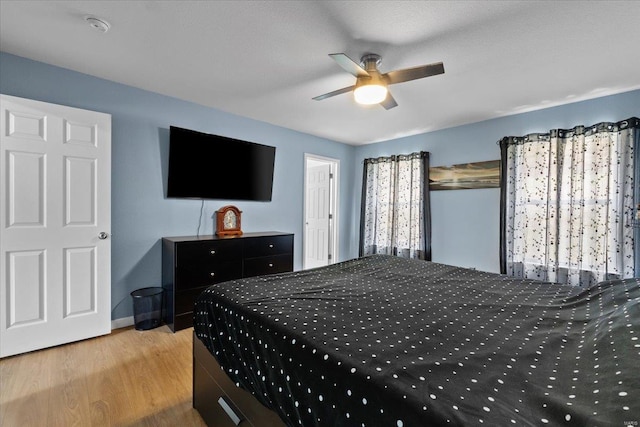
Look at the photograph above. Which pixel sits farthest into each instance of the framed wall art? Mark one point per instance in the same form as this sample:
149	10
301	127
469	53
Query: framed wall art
465	176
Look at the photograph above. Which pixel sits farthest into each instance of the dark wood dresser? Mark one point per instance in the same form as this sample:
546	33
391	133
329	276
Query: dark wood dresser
190	264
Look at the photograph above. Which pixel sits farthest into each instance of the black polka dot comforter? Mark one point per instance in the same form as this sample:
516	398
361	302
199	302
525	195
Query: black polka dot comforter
385	341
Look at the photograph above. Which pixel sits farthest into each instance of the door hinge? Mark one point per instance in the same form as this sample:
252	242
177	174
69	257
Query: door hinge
329	256
330	216
330	176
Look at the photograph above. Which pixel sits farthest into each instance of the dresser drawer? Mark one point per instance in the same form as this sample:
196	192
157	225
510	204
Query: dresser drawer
271	245
198	253
207	274
268	265
186	299
183	321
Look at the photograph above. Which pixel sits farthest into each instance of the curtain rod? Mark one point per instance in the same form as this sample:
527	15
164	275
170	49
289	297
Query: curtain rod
632	122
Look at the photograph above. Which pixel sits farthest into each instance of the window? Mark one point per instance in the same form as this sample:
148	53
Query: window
567	204
395	206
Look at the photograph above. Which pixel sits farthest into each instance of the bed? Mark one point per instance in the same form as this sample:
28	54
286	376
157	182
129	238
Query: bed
386	341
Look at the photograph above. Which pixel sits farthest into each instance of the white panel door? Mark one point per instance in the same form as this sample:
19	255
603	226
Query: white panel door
55	195
317	221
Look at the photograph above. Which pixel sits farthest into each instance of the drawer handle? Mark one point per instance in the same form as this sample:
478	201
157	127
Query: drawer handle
213	252
212	274
270	264
271	245
232	412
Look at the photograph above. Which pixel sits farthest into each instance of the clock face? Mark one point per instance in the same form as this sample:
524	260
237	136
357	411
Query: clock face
229	220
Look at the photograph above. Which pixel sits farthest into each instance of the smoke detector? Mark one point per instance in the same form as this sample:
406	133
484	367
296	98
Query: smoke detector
98	24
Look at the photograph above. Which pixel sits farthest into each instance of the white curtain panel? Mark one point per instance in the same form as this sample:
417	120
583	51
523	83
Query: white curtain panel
568	204
393	206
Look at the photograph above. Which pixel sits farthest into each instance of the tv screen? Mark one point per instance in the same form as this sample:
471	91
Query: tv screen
205	166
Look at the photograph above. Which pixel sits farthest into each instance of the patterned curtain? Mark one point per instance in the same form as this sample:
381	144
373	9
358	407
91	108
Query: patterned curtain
395	215
567	204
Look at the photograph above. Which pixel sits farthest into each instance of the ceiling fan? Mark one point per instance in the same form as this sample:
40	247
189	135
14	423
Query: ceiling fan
371	86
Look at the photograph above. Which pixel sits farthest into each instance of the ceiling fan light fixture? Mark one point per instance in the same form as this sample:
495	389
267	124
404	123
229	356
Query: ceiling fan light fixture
370	94
371	85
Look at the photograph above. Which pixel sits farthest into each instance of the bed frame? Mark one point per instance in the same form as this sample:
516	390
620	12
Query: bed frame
218	400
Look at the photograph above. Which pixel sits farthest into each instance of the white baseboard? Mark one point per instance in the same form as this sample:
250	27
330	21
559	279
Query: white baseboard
123	322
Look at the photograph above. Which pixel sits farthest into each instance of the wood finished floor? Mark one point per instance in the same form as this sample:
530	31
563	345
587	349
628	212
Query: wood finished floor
127	378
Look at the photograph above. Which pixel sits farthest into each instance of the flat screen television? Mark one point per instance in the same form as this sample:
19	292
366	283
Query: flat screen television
205	166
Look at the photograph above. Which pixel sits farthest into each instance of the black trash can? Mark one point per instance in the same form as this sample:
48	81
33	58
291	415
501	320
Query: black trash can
147	308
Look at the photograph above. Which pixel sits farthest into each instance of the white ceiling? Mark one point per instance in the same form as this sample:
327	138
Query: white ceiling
267	59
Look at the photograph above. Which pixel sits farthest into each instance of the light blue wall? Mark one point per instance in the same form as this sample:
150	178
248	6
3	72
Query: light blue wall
141	214
465	223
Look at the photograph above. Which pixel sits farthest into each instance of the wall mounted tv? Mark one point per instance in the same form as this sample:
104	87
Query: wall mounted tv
205	166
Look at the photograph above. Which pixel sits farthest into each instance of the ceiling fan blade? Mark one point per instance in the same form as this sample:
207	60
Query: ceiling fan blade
389	102
348	64
407	74
334	93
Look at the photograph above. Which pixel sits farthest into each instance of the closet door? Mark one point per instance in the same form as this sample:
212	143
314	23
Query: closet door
317	216
55	219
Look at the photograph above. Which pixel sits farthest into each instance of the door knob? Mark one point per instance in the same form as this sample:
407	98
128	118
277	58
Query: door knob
103	235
